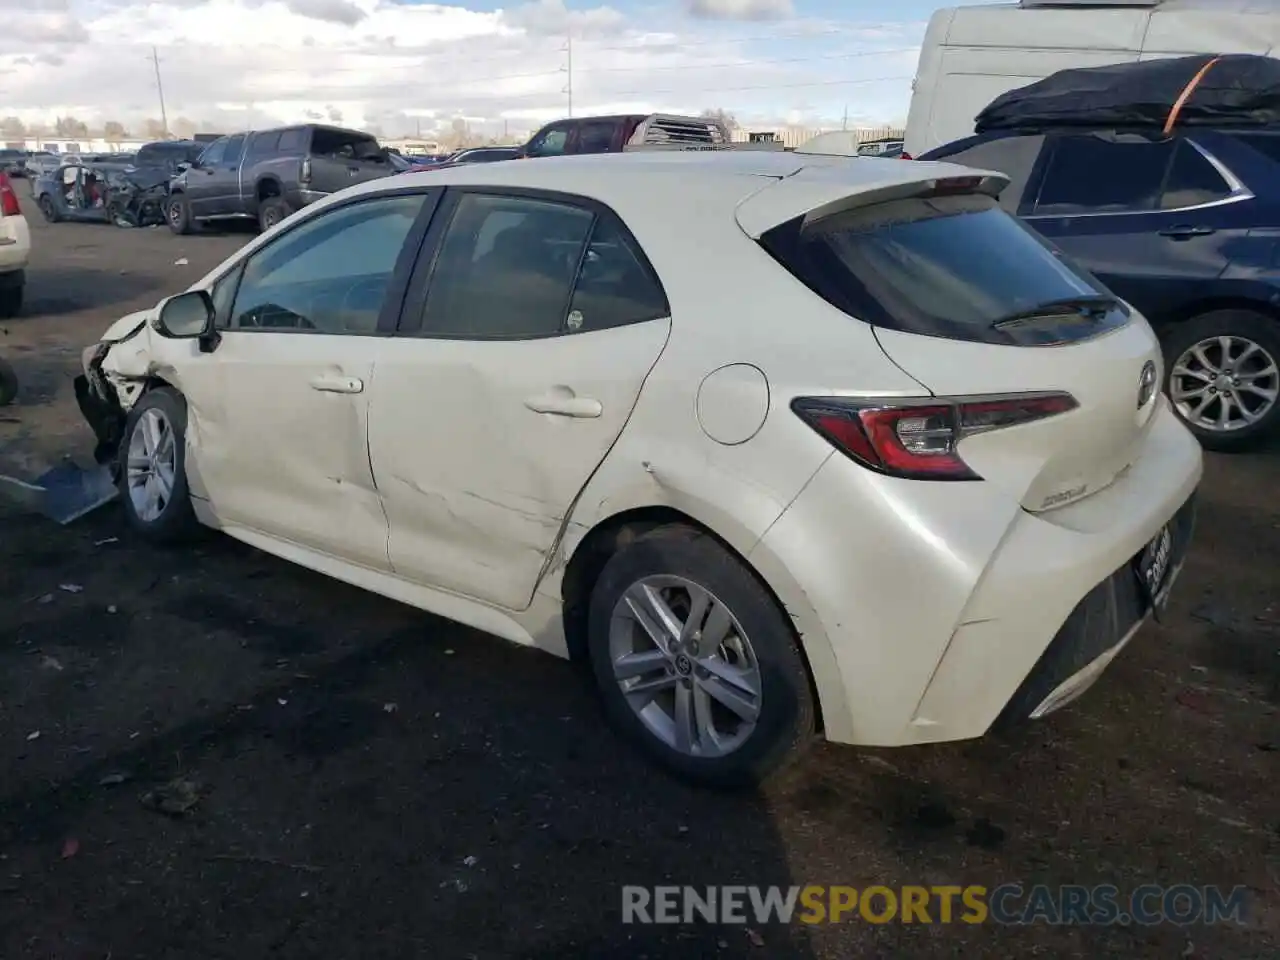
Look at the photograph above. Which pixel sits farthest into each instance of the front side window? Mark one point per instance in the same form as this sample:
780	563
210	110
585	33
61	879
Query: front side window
551	143
1089	174
213	153
235	149
954	266
329	274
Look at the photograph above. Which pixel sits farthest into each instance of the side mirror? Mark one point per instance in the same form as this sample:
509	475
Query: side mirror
186	316
184	166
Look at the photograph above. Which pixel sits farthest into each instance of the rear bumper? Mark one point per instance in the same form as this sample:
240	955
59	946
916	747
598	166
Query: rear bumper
939	608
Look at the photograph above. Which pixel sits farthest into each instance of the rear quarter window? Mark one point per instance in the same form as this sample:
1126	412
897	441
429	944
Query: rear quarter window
957	267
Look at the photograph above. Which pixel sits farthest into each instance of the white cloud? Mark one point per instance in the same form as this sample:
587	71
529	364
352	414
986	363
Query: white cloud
235	63
740	9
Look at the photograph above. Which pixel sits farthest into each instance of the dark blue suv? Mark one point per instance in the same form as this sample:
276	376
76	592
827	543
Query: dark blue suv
1185	228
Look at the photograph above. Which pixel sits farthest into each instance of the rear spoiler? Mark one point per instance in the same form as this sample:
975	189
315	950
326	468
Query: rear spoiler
667	131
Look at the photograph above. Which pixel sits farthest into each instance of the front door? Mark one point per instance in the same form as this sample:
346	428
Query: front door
280	406
1153	227
224	184
515	372
201	179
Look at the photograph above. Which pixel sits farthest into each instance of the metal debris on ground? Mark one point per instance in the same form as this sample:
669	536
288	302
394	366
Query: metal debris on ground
52	663
33	735
71	587
181	262
174	799
113	779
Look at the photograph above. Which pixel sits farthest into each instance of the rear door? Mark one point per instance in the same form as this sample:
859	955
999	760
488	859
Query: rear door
514	372
972	303
1154	227
342	158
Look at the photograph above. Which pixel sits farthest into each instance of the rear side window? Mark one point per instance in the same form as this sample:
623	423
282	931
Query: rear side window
956	267
1192	180
292	141
1088	174
264	144
595	137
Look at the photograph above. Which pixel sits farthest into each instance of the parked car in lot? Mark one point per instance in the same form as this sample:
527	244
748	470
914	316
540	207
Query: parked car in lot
265	175
78	191
15	249
1186	228
163	159
554	401
41	164
13	162
612	134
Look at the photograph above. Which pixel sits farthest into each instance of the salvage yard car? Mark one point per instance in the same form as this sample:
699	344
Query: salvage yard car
555	401
265	175
15	249
91	192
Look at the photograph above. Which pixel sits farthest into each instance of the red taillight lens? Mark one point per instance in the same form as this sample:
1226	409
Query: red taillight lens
918	439
8	199
905	156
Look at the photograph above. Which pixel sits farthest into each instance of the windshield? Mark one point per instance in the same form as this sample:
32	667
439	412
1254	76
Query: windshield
955	266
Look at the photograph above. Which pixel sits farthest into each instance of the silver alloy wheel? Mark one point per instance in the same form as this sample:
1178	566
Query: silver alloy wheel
685	665
1222	384
152	465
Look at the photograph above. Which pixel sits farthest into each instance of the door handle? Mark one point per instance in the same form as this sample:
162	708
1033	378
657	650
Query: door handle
1186	231
337	384
563	403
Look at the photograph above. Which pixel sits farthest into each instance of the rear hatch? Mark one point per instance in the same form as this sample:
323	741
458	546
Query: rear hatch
986	315
341	158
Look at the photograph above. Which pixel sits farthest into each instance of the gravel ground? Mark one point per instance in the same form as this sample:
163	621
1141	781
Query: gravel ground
344	776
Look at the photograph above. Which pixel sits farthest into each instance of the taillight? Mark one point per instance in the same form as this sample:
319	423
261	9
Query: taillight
905	156
919	439
8	199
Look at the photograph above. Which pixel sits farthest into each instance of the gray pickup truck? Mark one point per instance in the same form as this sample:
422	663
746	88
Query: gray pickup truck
265	175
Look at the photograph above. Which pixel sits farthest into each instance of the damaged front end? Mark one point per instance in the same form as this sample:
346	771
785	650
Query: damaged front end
99	400
135	202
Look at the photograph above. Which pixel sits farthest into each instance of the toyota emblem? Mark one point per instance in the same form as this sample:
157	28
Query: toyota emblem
1146	384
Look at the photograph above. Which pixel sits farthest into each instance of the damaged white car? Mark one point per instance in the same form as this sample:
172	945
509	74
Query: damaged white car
779	443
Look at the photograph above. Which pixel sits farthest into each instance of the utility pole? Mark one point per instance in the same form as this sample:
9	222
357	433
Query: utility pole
164	117
844	123
568	50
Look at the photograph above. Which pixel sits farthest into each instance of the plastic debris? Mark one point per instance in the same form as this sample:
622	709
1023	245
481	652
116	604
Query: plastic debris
70	847
71	587
181	262
33	735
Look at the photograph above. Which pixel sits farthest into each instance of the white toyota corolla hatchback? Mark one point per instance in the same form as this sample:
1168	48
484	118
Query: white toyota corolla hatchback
778	443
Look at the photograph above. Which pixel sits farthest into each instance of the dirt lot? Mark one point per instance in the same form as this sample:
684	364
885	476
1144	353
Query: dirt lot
367	780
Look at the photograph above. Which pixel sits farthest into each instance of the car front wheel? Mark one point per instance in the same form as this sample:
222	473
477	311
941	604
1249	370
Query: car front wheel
696	662
1223	377
153	474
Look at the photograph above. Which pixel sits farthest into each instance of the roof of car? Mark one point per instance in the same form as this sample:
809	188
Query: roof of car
689	178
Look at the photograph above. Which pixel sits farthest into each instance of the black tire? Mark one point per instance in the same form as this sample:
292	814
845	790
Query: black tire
8	384
177	214
786	722
115	213
10	302
271	211
50	212
1259	329
176	521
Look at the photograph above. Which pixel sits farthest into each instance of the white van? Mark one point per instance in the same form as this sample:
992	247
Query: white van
971	55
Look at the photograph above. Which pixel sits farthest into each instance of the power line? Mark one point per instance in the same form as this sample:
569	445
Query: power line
688	92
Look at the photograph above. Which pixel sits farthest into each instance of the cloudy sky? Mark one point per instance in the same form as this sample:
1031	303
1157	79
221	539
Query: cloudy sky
403	65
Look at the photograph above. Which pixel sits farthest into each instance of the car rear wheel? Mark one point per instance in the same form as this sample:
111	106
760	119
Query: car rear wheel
153	476
696	662
1223	377
178	214
47	208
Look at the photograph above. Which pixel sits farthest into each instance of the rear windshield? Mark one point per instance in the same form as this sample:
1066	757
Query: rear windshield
345	145
956	266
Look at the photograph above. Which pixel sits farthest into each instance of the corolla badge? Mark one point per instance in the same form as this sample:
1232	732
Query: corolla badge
1146	384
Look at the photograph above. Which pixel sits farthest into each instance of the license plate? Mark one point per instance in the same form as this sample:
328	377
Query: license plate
1153	567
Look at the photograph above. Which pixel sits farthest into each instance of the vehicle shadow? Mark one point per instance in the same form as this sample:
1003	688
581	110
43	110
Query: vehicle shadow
374	775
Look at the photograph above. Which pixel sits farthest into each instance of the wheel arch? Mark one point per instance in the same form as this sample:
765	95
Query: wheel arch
1212	304
613	531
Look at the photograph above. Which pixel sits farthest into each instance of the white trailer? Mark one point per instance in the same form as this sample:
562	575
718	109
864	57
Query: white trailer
971	55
